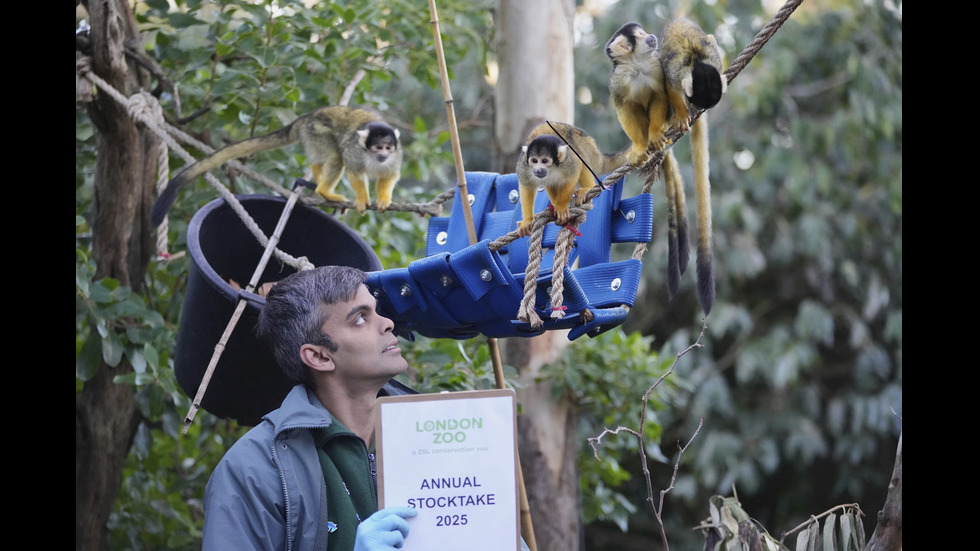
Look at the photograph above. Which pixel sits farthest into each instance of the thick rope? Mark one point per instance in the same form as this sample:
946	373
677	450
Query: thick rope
526	311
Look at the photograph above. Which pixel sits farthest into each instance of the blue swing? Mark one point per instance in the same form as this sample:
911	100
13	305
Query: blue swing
460	290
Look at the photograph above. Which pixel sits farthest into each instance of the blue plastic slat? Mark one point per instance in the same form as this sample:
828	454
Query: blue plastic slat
604	320
480	186
436	237
506	193
632	222
610	284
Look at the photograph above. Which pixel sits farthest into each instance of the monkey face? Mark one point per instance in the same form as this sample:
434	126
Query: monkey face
380	141
630	39
543	154
540	166
382	150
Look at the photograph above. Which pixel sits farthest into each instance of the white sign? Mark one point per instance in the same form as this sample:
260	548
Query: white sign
452	456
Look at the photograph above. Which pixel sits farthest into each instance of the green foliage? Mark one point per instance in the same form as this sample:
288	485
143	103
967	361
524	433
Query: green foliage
802	365
447	364
604	379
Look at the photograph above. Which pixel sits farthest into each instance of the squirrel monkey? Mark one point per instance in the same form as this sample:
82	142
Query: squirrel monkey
639	93
637	88
653	84
692	70
547	160
336	139
691	63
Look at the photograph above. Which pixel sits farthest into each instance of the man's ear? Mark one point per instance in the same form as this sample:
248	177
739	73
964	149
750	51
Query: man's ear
317	356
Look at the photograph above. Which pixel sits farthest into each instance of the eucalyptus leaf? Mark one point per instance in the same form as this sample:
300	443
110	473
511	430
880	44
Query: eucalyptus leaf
847	541
830	533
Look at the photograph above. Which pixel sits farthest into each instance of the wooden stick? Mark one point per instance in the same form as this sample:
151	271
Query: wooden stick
220	347
526	527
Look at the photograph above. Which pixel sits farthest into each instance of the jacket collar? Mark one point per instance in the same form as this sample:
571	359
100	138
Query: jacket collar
300	408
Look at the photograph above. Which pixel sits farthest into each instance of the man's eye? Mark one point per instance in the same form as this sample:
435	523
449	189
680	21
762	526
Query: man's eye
361	320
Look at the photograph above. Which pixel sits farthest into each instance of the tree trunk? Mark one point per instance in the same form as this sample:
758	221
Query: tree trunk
105	413
888	532
536	83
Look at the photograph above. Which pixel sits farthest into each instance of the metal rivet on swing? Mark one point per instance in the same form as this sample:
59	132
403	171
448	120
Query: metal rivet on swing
616	283
630	216
485	275
442	237
513	196
406	291
472	198
446	281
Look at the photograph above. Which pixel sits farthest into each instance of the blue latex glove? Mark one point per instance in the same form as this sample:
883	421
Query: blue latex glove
384	530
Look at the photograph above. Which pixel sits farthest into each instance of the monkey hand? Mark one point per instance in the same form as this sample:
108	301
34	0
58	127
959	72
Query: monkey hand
383	205
524	227
562	215
361	206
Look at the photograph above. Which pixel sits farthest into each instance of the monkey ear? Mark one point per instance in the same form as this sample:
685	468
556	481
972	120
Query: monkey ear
524	150
362	137
398	135
562	153
618	47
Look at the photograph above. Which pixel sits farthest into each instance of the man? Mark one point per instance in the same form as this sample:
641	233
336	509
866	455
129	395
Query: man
304	478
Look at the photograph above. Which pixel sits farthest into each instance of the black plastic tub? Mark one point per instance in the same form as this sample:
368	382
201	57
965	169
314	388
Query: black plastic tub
246	383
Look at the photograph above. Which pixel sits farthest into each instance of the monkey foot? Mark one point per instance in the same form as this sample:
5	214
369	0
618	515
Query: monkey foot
637	156
329	196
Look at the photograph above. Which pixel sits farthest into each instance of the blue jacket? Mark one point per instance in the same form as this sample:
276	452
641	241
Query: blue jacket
267	492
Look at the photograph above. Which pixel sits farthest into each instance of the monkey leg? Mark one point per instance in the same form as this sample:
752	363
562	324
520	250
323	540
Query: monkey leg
560	199
527	211
635	123
360	185
326	182
681	117
385	186
656	131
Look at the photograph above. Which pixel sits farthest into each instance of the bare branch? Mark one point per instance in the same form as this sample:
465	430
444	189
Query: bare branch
638	434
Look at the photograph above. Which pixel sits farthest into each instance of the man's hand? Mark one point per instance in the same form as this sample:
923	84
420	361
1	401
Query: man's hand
384	530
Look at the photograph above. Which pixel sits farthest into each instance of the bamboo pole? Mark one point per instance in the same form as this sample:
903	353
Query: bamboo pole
526	527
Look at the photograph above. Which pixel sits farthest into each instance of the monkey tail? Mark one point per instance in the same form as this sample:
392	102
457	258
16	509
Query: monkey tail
613	161
671	182
165	200
702	189
273	140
